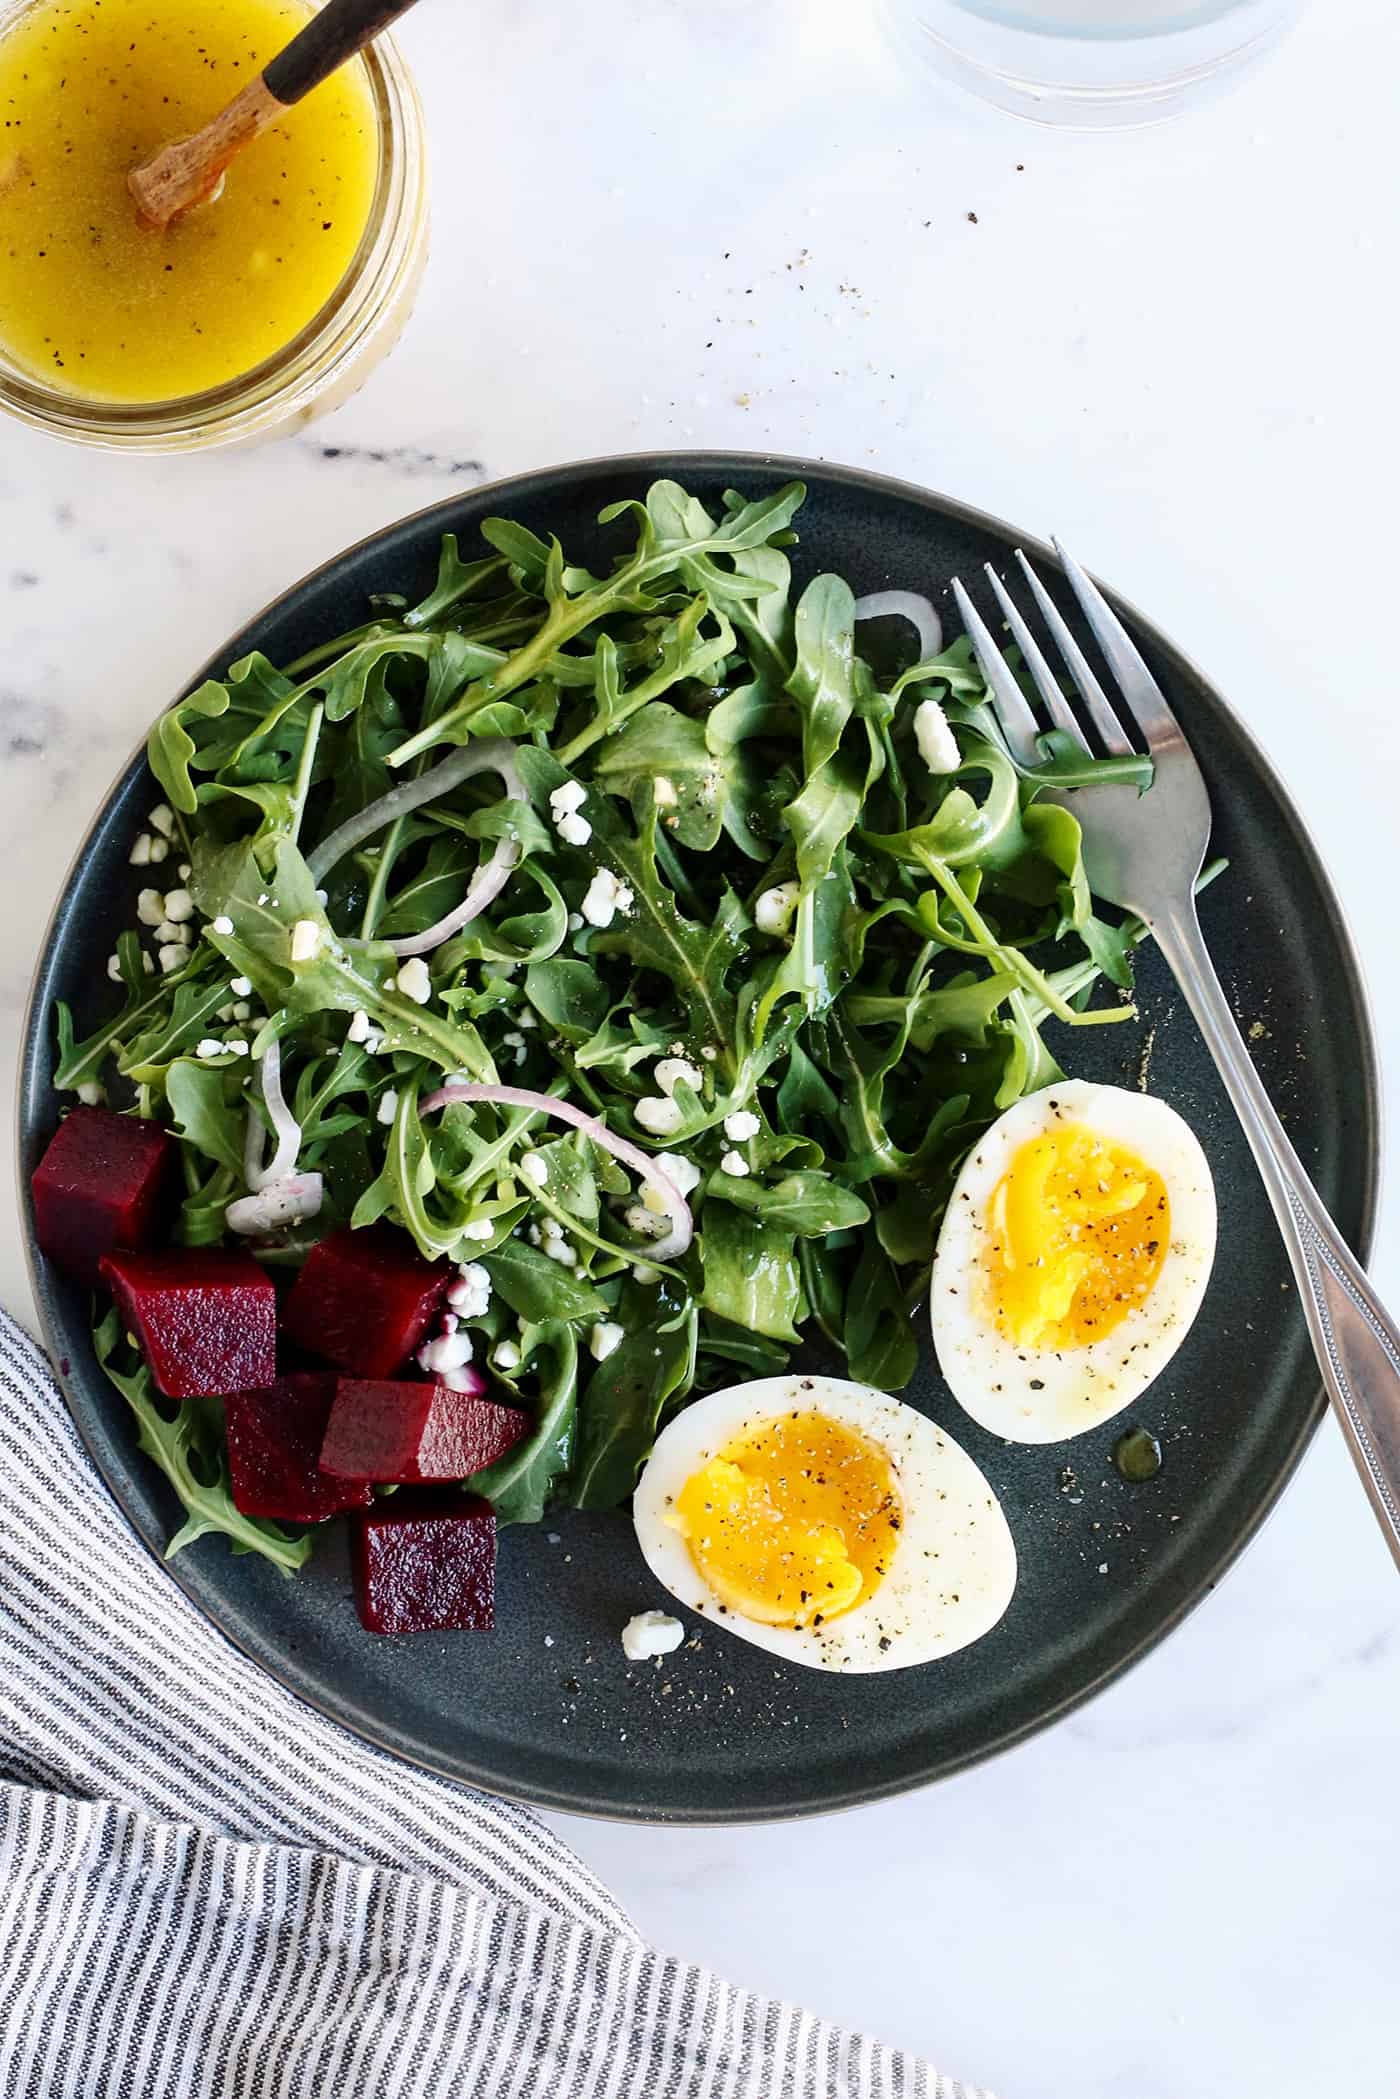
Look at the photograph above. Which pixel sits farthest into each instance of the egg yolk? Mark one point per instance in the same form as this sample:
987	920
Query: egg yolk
793	1522
1078	1230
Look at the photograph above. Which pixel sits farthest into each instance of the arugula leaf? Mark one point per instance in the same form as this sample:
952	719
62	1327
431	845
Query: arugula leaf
621	1406
806	1203
520	1484
751	1274
190	1455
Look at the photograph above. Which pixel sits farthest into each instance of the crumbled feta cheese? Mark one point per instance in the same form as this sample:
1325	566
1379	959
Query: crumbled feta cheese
388	1106
774	909
184	870
664	792
470	1293
534	1168
605	898
459	1380
574	830
645	1274
480	1228
208	1048
448	1352
414	982
306	940
222	925
179	905
566	800
649	1634
114	968
513	1039
169	934
224	1012
358	1030
148	965
659	1114
741	1125
645	1223
674	1071
576	921
734	1164
162	819
709	1053
241	987
532	1233
172	956
551	1228
236	1046
150	906
242	1010
938	746
562	1251
526	1018
321	895
603	1337
160	848
91	1094
682	1173
507	1356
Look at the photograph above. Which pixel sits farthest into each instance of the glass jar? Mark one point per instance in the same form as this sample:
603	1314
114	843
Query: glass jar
331	356
1090	63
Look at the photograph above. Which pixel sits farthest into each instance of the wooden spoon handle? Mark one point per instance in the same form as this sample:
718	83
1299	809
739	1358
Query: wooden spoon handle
190	170
329	38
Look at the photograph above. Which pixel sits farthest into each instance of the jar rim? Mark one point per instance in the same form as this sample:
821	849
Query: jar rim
309	360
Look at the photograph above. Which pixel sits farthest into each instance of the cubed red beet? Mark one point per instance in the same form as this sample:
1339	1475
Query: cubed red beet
206	1320
274	1444
102	1184
412	1433
424	1565
364	1300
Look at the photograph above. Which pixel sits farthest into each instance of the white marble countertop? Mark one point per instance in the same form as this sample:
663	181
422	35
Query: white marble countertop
749	227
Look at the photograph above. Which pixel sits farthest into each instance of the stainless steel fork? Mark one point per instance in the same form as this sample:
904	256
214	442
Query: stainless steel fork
1144	854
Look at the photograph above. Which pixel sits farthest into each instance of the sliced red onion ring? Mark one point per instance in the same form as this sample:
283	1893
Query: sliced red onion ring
485	885
285	1126
291	1200
493	754
677	1208
906	604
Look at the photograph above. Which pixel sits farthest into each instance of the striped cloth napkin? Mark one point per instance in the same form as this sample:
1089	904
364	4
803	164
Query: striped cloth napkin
207	1891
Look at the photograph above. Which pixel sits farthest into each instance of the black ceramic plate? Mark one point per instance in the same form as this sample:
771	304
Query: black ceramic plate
546	1708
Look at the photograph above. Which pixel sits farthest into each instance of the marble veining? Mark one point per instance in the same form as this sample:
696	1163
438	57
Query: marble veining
753	228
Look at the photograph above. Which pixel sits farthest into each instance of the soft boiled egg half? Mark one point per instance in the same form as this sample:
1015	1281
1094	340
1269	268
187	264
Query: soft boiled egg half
825	1522
1074	1255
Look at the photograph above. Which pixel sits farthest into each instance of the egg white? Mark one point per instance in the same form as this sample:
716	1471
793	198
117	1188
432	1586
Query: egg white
1033	1395
953	1569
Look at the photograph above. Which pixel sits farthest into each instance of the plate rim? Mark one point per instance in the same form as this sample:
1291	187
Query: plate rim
33	1085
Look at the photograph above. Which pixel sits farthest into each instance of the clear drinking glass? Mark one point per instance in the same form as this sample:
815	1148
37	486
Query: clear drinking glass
1093	63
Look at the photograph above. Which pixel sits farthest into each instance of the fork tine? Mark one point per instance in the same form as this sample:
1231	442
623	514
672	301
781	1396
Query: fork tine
1046	683
1135	681
1116	742
1009	703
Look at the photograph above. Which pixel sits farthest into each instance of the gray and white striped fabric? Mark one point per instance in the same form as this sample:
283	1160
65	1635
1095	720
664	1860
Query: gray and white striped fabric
207	1891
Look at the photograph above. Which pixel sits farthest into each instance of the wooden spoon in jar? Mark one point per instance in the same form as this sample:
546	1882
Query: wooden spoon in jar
192	169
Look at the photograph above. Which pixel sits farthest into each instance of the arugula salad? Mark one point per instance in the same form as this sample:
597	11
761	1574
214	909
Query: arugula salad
649	941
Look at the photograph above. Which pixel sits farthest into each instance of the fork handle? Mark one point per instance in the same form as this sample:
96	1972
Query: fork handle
1356	1341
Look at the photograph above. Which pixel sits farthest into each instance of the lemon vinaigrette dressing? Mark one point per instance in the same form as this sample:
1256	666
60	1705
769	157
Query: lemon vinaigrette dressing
92	303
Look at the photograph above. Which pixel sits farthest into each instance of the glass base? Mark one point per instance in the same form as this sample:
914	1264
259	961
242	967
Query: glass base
1106	81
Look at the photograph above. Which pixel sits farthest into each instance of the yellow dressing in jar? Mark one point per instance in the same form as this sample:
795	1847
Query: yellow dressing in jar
92	303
